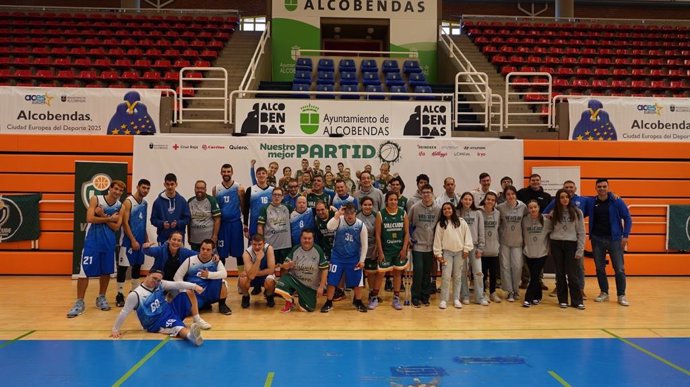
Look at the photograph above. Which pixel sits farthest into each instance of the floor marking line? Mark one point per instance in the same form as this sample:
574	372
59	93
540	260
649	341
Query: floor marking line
559	379
141	362
649	353
269	379
9	342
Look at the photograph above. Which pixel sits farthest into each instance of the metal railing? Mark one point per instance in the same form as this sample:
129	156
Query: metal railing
250	74
552	19
188	84
518	98
496	113
389	54
666	206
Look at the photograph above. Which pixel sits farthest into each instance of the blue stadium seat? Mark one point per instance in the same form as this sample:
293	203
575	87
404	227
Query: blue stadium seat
325	88
417	79
346	65
371	78
326	64
398	89
303	64
349	89
394	79
411	66
300	87
302	77
325	78
375	89
390	66
423	90
348	78
369	65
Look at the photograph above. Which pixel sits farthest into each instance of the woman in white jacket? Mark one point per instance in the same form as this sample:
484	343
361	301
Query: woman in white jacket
452	246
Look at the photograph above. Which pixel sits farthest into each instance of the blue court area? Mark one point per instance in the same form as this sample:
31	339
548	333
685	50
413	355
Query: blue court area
544	362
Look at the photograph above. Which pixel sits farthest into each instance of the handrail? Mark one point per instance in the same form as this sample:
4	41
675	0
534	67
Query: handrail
484	100
666	206
223	96
569	20
548	93
408	54
176	110
496	100
249	75
234	95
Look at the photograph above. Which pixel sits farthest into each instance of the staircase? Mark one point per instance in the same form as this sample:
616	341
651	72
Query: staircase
235	58
498	85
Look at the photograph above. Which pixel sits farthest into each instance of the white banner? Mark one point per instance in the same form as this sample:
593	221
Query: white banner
30	110
194	157
352	119
629	119
552	178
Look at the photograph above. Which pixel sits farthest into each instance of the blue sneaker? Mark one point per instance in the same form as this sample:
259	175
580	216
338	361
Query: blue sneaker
373	303
396	303
76	310
102	303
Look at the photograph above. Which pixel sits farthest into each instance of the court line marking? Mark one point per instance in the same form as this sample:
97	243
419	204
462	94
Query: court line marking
141	362
12	341
649	353
559	379
383	330
269	379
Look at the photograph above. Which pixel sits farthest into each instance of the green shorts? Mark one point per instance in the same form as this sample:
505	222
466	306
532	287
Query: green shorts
392	263
289	285
371	265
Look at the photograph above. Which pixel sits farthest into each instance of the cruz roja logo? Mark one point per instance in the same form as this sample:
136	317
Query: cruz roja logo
265	118
309	119
11	218
427	121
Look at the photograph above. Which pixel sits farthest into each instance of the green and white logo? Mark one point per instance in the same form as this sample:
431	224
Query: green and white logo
290	5
11	218
98	184
309	119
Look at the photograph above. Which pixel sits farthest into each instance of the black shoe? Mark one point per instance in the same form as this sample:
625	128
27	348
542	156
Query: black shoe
389	285
416	303
327	307
256	290
270	301
425	301
338	295
120	300
360	306
245	302
224	309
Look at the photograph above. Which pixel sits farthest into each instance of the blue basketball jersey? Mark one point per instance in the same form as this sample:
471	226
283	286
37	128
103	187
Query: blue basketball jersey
99	237
299	222
137	222
195	267
339	201
347	243
229	202
151	305
258	198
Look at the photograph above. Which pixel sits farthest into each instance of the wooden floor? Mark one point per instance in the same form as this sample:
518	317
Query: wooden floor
659	308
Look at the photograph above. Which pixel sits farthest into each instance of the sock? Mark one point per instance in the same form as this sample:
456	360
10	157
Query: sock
375	293
120	287
397	294
221	301
196	318
329	302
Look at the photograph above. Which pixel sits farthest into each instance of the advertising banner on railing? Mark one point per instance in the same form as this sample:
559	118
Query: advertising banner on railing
64	110
200	158
351	119
629	119
679	227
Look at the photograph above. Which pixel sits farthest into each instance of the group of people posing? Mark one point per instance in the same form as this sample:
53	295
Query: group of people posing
308	240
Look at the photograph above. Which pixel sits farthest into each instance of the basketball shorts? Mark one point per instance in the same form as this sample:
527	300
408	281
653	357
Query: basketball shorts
96	263
288	286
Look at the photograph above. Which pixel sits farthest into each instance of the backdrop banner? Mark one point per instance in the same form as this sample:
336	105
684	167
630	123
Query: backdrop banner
65	110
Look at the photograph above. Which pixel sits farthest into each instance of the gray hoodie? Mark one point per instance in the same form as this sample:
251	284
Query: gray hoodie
536	237
422	222
475	220
491	222
570	230
510	231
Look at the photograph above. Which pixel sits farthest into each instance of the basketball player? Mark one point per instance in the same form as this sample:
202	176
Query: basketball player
228	194
259	270
274	225
132	238
301	218
255	198
156	315
306	270
98	255
392	240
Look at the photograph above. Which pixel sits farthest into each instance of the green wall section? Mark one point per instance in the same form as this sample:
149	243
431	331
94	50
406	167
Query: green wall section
286	34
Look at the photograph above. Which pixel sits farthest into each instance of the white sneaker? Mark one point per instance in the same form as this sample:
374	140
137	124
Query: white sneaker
195	334
602	297
484	302
511	298
623	301
466	301
203	324
457	304
442	305
495	298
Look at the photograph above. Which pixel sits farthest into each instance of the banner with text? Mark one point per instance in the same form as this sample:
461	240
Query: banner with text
629	119
679	227
65	110
200	158
351	119
19	217
91	178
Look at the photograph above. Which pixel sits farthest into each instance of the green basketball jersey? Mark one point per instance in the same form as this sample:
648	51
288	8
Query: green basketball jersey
392	232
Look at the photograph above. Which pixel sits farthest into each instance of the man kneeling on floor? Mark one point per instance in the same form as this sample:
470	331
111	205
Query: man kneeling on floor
307	269
259	271
157	315
209	273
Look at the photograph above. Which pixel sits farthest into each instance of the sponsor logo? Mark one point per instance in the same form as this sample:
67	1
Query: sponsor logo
650	109
157	146
70	99
98	184
176	147
290	5
309	119
393	6
212	147
238	147
679	109
427	121
265	118
389	152
11	218
39	99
